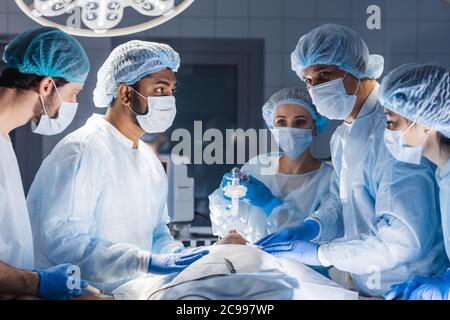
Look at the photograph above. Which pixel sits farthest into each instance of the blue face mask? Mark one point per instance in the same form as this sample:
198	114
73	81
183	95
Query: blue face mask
293	141
332	100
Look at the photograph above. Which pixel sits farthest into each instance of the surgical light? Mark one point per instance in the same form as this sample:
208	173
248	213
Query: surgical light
101	17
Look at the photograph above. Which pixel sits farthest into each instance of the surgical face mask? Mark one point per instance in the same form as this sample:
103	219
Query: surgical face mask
332	100
50	126
160	115
396	145
293	141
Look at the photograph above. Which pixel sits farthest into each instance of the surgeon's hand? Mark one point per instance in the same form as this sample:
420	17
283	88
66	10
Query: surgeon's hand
260	196
422	288
226	180
59	283
173	262
186	251
305	231
301	251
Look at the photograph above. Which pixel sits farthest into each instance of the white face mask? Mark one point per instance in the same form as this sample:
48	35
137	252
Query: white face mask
160	115
332	100
49	126
293	141
395	143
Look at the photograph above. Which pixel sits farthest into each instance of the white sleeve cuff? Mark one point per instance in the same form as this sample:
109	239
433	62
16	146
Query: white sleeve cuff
322	256
143	260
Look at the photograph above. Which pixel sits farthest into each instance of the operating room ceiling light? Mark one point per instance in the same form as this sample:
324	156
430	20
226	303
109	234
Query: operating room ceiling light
101	17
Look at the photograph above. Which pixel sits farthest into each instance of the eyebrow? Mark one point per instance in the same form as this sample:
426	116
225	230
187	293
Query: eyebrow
296	117
321	68
164	82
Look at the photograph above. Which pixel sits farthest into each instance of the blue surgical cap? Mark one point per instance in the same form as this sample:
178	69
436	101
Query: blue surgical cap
48	52
298	96
420	93
129	63
337	45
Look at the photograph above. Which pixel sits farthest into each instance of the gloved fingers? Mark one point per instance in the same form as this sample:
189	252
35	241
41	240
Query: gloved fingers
261	242
391	294
420	280
283	235
227	198
226	180
69	269
417	294
276	244
409	289
254	180
172	269
177	268
76	288
194	250
248	185
273	238
84	284
188	260
194	253
65	268
396	291
278	247
427	292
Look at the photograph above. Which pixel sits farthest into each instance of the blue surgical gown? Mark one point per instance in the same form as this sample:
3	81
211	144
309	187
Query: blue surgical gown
443	178
382	221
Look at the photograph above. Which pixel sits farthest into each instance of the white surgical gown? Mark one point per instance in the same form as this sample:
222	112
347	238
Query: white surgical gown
443	178
100	204
382	217
302	194
16	242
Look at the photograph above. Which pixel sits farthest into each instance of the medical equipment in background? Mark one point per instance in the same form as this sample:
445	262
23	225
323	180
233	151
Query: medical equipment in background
180	199
235	191
101	16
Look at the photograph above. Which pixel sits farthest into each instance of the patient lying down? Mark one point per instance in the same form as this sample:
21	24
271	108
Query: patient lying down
235	269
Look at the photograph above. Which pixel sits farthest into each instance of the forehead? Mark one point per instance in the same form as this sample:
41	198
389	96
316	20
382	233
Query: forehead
165	76
390	113
317	68
292	109
395	116
72	86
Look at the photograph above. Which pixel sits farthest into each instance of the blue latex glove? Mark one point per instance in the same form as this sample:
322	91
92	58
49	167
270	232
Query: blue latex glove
59	283
172	262
260	196
305	231
422	288
302	251
185	250
226	180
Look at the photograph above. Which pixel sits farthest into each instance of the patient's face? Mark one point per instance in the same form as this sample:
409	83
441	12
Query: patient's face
232	238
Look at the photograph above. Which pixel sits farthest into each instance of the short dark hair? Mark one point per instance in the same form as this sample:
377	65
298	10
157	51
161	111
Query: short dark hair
14	79
135	86
443	140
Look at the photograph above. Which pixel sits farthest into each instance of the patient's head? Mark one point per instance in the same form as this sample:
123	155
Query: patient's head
232	238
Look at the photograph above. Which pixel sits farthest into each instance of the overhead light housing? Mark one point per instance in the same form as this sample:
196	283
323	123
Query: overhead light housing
102	17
